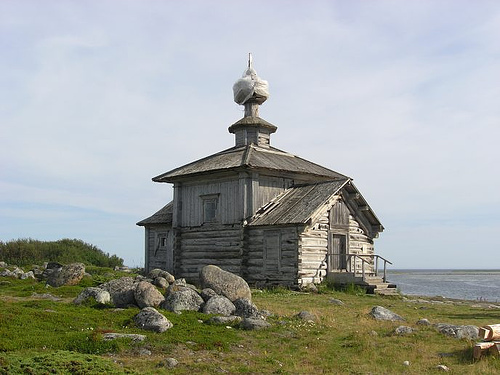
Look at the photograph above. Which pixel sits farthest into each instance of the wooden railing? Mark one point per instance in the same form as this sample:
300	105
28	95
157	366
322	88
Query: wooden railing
348	262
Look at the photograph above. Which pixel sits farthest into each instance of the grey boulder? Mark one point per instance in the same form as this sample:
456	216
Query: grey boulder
176	285
160	282
169	362
225	283
7	273
70	274
245	308
335	301
50	268
254	324
18	273
157	272
219	305
459	332
151	320
28	275
146	294
207	293
423	322
101	296
381	313
403	330
182	299
307	316
122	291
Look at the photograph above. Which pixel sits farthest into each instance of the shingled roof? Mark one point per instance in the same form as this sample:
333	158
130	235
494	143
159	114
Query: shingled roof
297	204
253	157
162	216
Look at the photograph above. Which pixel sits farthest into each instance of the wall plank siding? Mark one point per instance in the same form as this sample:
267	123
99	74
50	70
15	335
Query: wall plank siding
156	255
268	189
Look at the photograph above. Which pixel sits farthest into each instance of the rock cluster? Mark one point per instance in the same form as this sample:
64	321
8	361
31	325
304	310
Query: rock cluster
55	274
224	294
457	331
15	272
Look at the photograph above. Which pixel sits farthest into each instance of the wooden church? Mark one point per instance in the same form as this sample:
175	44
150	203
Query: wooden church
263	213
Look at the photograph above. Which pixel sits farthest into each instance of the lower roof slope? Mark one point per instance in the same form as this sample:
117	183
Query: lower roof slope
162	216
297	204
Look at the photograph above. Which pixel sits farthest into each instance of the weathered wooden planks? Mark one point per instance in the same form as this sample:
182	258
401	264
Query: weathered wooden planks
491	344
483	348
490	332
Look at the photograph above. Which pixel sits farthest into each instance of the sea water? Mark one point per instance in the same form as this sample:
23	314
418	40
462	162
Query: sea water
478	285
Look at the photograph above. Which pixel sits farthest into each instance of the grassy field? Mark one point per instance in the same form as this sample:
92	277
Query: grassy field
46	336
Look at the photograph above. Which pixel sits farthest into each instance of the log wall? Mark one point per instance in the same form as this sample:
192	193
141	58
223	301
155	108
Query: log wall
360	243
313	248
220	245
257	267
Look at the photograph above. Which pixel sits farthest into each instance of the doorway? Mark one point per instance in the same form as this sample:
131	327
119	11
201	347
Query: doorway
337	252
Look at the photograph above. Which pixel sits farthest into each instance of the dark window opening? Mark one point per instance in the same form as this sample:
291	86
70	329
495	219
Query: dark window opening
210	209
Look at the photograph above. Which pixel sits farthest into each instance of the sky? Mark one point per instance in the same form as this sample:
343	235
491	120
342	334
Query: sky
98	97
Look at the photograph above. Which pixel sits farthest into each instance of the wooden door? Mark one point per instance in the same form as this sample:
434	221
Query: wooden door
272	251
337	252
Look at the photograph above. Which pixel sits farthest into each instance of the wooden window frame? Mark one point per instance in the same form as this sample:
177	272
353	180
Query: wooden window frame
211	215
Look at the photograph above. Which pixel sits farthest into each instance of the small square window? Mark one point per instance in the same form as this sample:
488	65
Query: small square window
210	205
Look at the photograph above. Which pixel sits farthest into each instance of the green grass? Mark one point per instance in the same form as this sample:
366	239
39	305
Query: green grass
40	336
57	362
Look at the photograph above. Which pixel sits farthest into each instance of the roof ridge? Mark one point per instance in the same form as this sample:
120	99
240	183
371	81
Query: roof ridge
247	154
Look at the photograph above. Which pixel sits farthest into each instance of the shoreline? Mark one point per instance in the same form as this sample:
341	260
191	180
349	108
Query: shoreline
445	300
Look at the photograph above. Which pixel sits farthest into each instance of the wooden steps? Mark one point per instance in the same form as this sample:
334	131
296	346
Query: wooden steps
372	284
376	285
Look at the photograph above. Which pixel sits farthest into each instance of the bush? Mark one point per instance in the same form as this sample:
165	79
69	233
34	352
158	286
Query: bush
26	252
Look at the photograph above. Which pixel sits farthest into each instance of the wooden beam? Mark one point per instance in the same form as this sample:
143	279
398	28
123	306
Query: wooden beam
490	332
495	349
354	196
481	348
